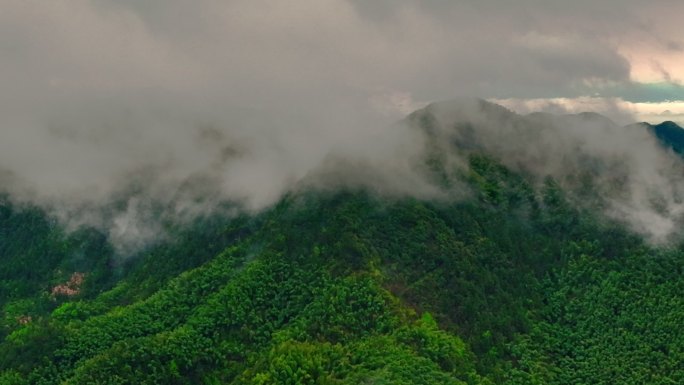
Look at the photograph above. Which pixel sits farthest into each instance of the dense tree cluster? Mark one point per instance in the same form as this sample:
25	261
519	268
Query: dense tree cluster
514	285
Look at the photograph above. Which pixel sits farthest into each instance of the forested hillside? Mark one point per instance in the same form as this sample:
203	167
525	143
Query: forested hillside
514	286
516	283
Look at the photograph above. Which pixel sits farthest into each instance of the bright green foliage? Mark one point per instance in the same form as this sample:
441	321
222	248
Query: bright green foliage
35	255
514	285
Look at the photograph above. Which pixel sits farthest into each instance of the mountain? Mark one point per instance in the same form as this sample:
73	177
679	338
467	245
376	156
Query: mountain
669	133
518	277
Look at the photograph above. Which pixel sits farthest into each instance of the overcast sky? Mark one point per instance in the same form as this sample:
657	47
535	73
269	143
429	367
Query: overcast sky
391	54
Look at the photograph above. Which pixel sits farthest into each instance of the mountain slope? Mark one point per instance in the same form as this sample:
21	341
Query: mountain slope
670	134
515	284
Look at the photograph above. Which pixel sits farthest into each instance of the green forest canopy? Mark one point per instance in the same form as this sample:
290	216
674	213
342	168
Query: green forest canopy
513	286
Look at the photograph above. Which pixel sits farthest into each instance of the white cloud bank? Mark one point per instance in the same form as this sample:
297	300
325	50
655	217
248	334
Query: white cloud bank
193	102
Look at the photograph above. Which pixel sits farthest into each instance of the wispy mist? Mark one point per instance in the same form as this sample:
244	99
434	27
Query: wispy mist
120	114
636	179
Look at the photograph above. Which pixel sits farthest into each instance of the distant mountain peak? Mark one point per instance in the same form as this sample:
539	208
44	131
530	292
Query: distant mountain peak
670	134
470	104
670	124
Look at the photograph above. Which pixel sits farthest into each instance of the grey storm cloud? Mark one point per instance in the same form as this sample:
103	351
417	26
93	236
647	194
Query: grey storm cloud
202	101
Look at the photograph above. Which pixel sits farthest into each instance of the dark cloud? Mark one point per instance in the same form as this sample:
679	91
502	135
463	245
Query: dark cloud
674	46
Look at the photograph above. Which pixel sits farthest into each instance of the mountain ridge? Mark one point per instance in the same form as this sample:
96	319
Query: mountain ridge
522	281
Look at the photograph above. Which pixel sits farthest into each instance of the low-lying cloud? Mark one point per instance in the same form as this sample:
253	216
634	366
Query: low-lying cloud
118	106
634	177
